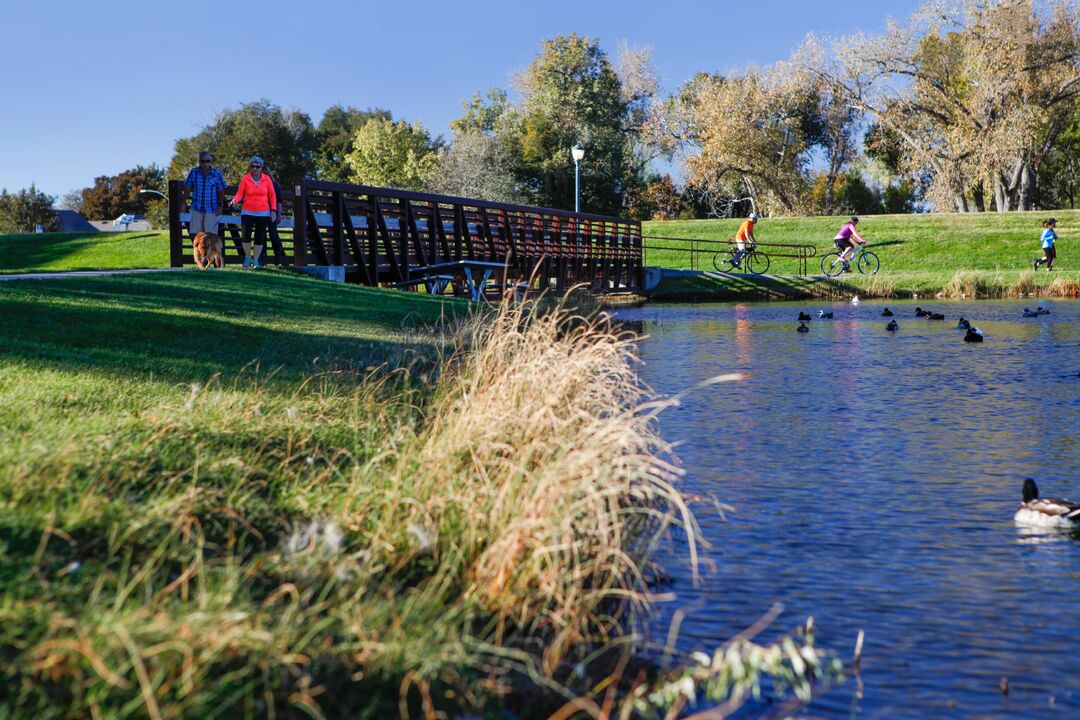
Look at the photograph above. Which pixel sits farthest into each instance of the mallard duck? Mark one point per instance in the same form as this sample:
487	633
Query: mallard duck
804	317
973	334
802	328
1046	511
919	312
1030	313
963	324
823	314
886	313
892	326
935	316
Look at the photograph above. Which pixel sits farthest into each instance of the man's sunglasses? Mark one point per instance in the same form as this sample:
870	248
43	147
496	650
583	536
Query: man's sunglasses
256	167
206	161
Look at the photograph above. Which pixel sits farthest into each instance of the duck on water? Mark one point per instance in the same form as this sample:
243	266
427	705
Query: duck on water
1046	512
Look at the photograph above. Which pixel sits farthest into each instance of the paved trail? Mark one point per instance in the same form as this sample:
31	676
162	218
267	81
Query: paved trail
86	273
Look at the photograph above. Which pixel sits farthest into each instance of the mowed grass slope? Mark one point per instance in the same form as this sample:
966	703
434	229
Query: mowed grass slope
919	253
83	251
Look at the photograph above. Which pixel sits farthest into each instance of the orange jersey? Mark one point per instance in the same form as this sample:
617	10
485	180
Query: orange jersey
746	230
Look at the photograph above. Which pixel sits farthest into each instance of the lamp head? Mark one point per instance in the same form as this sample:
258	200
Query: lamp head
577	152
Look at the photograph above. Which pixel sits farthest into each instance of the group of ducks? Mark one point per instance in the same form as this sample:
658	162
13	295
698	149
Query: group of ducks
1036	312
972	334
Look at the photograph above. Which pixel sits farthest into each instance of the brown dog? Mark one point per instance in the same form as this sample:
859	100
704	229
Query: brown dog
208	249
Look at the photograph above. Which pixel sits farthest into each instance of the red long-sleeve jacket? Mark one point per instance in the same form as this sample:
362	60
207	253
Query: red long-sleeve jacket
254	197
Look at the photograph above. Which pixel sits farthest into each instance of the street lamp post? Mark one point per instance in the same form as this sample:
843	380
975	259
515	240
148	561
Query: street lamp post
578	153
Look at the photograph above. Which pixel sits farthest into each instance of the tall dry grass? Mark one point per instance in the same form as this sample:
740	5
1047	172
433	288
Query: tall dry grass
970	284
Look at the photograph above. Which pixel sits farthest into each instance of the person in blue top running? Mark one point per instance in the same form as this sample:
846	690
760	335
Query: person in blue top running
1048	238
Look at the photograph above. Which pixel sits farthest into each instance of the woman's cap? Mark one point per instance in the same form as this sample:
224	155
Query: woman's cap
754	216
255	159
854	219
1051	221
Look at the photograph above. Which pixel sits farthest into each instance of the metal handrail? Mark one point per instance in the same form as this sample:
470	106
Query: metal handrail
803	252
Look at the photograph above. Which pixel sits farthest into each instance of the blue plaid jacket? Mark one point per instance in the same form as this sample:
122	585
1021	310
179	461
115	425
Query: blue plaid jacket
204	189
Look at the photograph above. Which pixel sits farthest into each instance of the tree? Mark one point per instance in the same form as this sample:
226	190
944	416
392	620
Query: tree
977	93
752	129
478	165
21	212
335	137
72	200
392	154
112	195
483	158
658	199
572	95
1059	176
285	140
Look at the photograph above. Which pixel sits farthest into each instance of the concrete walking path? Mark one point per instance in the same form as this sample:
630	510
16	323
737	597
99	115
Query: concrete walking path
86	273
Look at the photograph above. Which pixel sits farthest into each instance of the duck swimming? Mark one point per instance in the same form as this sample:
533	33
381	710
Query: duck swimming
935	316
804	317
973	334
886	313
1030	313
963	324
892	326
1042	311
823	314
855	300
802	327
919	312
1047	512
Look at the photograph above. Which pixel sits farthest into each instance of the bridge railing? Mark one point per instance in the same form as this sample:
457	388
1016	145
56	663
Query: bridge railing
383	236
699	251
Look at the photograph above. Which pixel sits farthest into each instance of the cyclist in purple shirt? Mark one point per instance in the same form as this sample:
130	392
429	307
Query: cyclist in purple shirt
845	241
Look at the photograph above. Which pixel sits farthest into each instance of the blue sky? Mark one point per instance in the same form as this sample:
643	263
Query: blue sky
96	88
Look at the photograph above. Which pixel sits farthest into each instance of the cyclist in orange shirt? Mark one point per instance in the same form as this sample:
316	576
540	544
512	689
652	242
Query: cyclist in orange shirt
744	239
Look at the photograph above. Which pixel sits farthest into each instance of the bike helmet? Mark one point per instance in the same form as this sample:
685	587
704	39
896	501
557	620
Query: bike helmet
754	216
854	219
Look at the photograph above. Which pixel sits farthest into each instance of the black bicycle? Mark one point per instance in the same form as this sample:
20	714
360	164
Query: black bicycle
753	261
866	262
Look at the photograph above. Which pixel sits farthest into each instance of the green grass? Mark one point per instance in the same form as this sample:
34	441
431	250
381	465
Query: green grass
919	253
83	251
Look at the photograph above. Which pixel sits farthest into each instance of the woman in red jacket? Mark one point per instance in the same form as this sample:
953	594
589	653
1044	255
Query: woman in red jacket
258	208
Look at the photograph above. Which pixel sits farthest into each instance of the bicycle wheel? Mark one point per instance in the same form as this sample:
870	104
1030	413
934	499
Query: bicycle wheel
868	263
722	261
831	264
756	263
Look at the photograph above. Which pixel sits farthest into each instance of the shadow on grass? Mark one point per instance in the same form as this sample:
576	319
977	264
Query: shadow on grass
188	328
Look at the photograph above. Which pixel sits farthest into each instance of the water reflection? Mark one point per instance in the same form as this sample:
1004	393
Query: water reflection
873	478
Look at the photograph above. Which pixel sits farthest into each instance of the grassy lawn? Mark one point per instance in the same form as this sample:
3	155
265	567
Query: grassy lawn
83	251
919	253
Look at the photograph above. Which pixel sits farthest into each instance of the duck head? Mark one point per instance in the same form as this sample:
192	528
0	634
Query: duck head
1031	490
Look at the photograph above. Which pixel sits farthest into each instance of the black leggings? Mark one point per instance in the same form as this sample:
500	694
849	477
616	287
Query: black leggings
257	223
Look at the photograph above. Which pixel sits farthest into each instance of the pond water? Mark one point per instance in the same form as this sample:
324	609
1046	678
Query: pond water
873	478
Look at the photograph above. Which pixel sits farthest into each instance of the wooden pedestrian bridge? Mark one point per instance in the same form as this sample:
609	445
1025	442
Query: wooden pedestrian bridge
383	236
